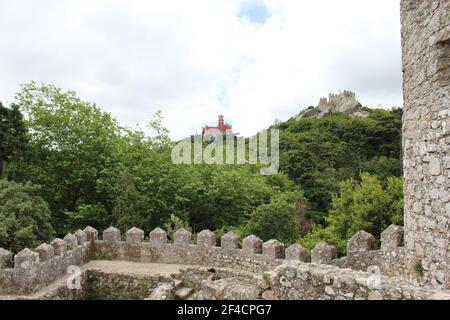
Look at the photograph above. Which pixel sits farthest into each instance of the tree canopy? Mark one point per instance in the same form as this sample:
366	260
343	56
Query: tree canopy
24	216
370	205
318	153
67	164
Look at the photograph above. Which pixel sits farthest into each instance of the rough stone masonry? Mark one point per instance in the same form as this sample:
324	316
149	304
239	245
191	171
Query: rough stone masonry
426	139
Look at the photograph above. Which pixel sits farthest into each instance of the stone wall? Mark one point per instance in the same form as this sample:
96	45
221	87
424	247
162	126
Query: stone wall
390	258
247	270
97	285
344	102
254	255
33	270
309	281
30	270
289	281
223	284
426	139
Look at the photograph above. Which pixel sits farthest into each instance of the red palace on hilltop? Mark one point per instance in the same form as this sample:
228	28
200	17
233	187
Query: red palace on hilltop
222	128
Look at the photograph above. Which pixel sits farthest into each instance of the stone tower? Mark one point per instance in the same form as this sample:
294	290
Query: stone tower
426	139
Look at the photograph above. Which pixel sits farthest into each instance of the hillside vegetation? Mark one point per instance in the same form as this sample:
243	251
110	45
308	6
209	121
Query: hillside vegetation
68	164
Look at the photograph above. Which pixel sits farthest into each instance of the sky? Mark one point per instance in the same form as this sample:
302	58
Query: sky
253	61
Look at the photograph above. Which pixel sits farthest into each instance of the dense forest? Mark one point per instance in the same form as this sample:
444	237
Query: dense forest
66	164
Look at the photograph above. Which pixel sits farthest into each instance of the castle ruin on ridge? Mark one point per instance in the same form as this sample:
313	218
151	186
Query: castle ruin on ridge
344	102
412	263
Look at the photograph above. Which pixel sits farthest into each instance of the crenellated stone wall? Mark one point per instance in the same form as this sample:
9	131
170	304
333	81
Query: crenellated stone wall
390	258
31	270
426	139
254	256
309	281
344	102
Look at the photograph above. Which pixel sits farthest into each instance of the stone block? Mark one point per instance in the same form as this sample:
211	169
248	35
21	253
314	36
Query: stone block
361	241
297	252
46	252
323	253
182	237
91	233
71	241
135	235
60	247
158	237
392	237
5	258
25	259
206	238
81	237
111	235
273	249
252	245
229	241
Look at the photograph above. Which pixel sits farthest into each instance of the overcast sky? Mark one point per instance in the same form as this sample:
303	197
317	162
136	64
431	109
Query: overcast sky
251	60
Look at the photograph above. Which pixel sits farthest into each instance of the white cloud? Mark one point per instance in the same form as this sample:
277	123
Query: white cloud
196	59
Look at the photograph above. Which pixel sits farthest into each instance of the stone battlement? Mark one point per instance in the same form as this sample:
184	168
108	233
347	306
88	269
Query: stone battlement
346	94
30	270
343	102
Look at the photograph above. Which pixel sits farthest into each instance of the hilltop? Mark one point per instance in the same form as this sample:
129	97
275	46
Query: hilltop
344	102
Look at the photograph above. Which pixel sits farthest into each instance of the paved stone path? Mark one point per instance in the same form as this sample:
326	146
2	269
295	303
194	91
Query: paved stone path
139	269
133	268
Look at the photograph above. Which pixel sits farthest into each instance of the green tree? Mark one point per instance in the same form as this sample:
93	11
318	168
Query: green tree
73	144
280	219
219	195
13	143
24	216
130	208
369	205
383	167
